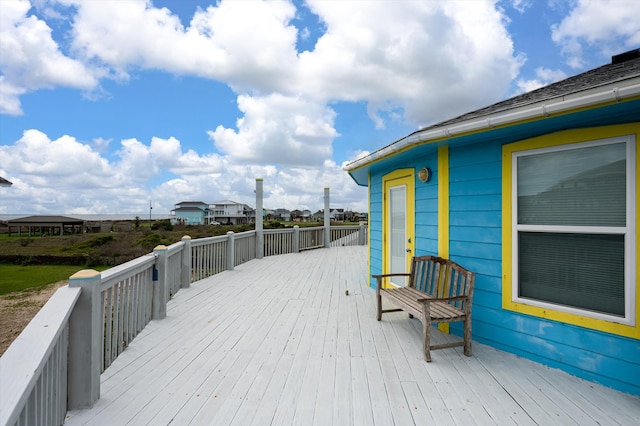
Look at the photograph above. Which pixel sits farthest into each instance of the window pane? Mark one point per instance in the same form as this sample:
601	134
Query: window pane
578	270
398	223
577	187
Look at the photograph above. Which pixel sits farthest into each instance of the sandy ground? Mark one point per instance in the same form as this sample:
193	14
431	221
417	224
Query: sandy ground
17	309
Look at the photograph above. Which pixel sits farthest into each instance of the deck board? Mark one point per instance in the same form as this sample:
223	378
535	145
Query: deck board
278	341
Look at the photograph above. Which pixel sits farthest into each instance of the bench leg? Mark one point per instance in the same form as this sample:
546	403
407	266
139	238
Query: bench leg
467	336
426	331
379	299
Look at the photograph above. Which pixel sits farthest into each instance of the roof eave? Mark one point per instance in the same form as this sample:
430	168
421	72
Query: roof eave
622	90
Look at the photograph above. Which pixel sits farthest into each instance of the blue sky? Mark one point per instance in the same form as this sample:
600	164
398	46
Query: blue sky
105	105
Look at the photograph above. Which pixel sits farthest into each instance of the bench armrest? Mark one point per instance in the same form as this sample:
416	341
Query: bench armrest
442	299
391	275
380	277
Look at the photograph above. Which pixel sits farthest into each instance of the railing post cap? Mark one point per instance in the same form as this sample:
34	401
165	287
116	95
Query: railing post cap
259	179
296	226
230	232
84	274
186	237
160	247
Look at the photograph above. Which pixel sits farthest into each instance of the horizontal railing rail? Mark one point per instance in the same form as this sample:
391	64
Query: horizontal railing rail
55	364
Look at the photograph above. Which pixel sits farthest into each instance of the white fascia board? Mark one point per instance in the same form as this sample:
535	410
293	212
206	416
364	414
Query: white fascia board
613	92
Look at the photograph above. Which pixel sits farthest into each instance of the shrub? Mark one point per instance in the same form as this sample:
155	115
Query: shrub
99	241
245	227
162	224
152	240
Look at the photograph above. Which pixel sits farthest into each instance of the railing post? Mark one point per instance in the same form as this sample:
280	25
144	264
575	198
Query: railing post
160	288
231	251
85	341
259	230
327	219
185	270
296	239
362	237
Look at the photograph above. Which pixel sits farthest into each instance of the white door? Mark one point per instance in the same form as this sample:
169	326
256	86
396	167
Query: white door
397	231
398	188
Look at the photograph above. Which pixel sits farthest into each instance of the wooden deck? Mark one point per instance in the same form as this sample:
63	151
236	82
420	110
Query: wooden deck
277	341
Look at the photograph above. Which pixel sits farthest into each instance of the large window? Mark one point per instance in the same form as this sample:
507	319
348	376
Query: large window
573	228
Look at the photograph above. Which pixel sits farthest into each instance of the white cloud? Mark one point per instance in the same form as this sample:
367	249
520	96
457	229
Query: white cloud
136	161
418	61
62	161
595	24
245	44
10	97
279	129
32	60
521	5
408	61
68	176
423	48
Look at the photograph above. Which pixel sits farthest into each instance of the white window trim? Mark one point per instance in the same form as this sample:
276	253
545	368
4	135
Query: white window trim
628	230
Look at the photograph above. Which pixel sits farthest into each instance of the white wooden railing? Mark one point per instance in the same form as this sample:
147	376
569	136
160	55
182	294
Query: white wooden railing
127	305
56	362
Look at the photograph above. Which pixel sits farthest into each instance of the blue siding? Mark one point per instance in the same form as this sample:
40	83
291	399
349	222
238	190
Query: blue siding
475	241
375	227
426	207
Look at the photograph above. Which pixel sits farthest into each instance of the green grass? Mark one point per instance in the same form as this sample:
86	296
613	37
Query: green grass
18	278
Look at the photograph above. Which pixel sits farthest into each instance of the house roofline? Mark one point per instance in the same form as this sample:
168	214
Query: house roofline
615	92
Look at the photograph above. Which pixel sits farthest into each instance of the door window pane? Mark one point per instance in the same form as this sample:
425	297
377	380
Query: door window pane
397	234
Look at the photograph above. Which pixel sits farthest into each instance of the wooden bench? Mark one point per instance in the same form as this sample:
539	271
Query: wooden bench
438	291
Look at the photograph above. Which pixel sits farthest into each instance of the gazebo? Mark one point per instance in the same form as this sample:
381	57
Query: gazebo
50	225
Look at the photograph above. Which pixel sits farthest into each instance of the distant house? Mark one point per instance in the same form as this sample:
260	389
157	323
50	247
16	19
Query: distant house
538	195
249	213
190	213
230	212
46	225
283	215
300	215
335	215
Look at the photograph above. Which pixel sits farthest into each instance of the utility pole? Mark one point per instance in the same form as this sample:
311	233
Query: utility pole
150	208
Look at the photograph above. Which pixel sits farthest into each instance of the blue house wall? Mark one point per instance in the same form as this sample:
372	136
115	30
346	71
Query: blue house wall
191	217
475	241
